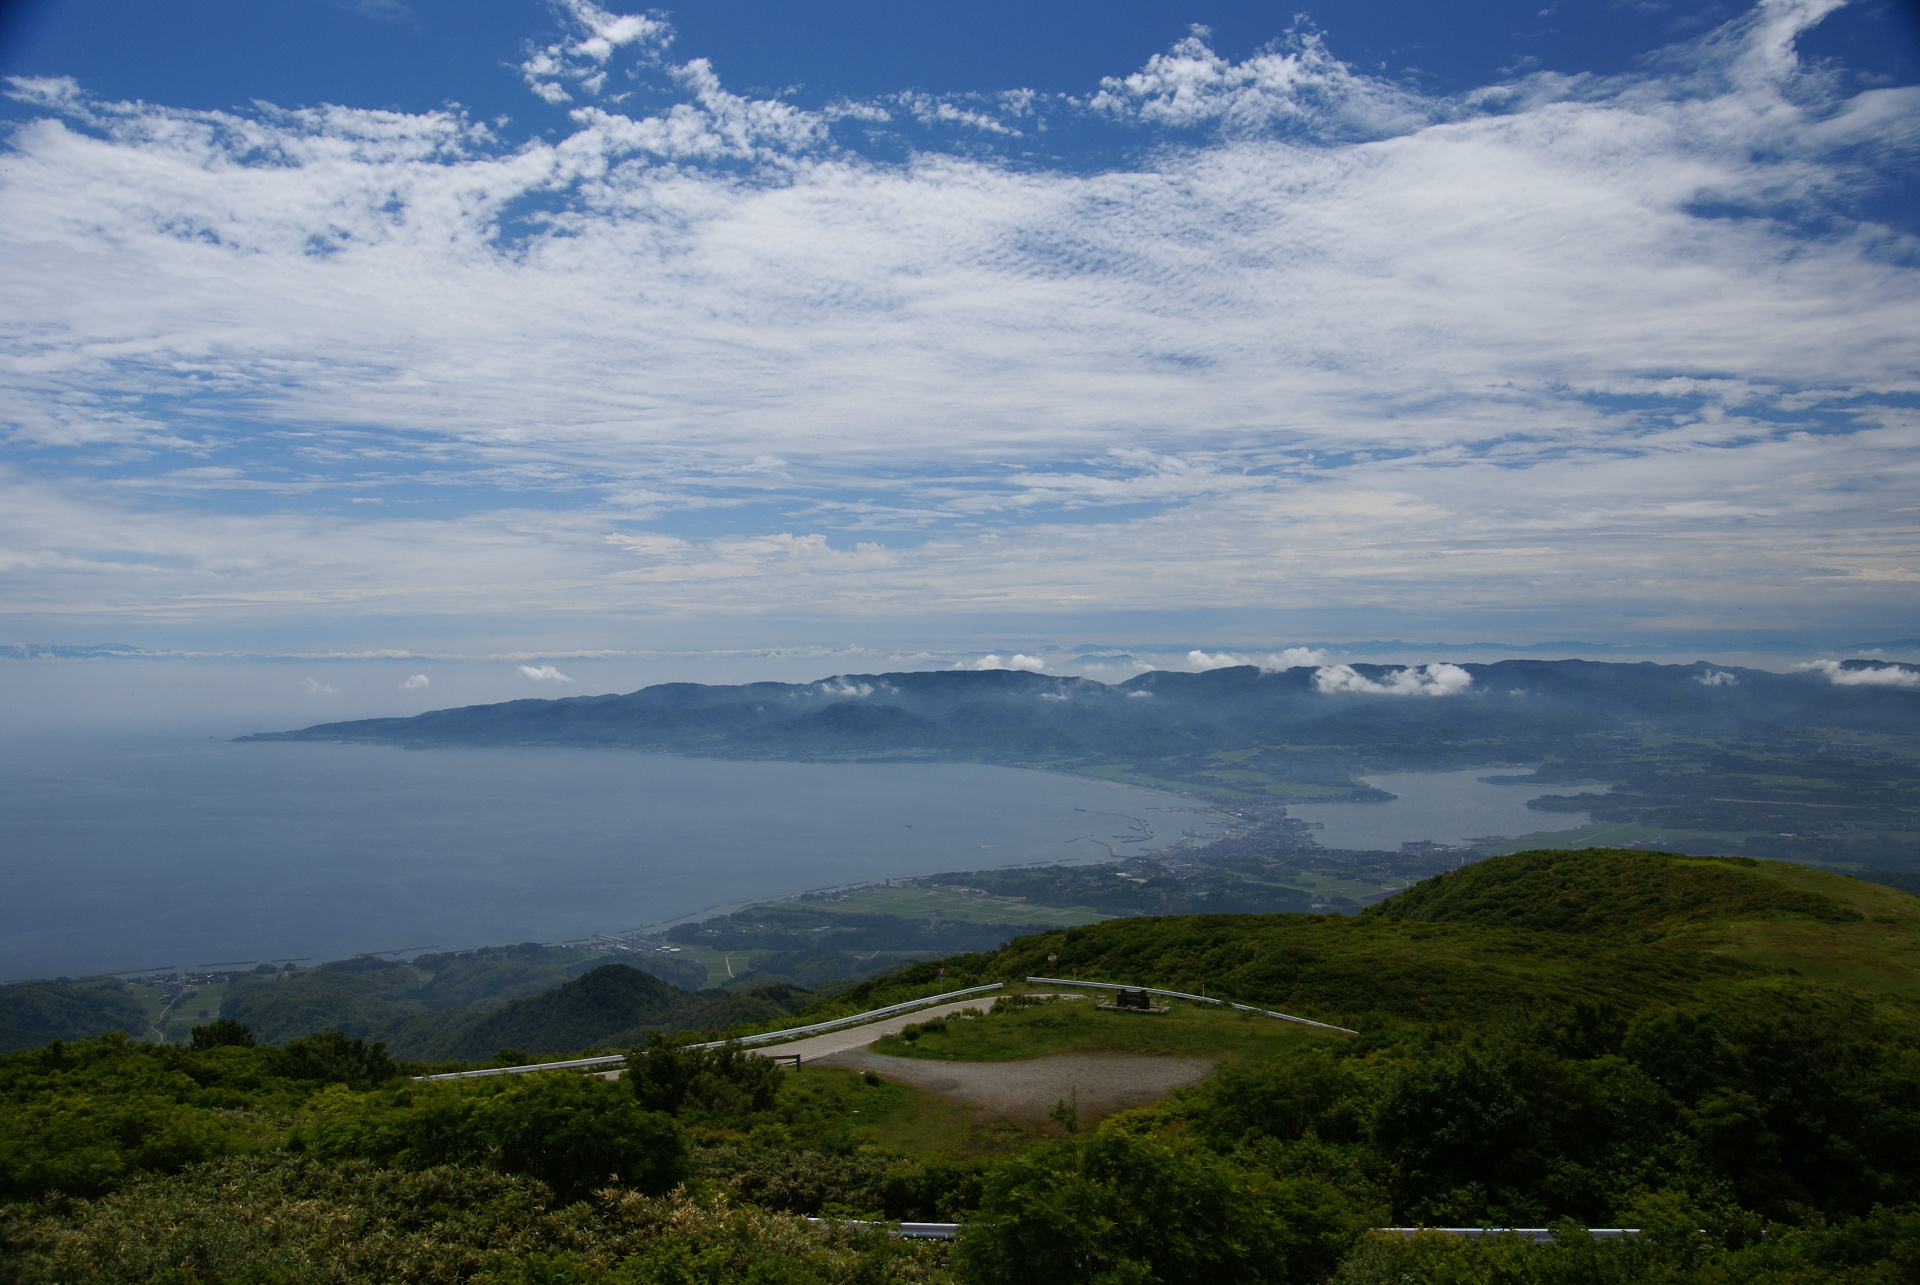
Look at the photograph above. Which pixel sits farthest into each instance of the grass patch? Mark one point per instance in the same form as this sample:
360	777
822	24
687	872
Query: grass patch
1078	1026
1879	953
907	1118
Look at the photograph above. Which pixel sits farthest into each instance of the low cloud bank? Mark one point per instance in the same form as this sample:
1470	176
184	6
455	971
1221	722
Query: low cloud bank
544	674
1274	662
1419	680
1876	675
1019	660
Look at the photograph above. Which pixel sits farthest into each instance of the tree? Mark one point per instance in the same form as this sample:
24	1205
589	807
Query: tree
335	1057
225	1033
716	1083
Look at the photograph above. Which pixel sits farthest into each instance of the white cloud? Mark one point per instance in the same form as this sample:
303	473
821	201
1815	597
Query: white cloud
1297	657
1717	678
415	683
1032	664
1203	661
1345	348
544	674
1140	695
842	686
313	687
1417	680
1273	662
1301	90
1875	676
579	62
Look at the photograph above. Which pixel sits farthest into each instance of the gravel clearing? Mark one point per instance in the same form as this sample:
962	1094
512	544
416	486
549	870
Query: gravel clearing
1022	1091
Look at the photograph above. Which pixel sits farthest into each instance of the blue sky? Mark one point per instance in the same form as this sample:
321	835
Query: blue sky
514	327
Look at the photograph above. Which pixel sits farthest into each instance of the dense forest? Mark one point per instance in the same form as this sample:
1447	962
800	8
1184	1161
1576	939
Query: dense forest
1724	1053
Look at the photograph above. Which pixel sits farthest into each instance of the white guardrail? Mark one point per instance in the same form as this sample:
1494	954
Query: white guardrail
1538	1235
908	1231
1198	999
614	1059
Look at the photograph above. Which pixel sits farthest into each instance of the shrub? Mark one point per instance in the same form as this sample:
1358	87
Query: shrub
1112	1207
573	1132
710	1084
336	1058
577	1133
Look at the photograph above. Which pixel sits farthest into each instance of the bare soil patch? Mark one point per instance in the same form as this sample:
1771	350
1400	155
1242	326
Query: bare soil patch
1023	1091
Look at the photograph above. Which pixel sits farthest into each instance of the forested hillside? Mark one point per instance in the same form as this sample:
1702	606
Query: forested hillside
1723	1052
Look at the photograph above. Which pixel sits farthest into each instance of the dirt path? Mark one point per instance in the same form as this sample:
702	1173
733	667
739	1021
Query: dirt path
1104	1082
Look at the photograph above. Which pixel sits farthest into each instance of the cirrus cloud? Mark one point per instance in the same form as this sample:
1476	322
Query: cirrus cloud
1558	346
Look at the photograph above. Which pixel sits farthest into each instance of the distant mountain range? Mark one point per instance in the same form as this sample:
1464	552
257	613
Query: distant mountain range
1380	712
1816	765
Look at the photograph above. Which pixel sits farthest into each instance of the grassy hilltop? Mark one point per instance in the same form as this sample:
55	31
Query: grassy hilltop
1508	935
1723	1051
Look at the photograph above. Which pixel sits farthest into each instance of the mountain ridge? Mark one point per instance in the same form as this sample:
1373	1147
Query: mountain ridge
1018	711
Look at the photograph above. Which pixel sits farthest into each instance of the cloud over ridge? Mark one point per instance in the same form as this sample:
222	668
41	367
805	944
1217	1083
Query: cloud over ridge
1413	680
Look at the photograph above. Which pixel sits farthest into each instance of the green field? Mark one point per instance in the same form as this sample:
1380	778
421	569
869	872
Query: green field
172	1022
1079	1026
716	962
1326	886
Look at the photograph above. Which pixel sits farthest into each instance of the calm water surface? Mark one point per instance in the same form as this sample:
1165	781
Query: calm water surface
1446	807
167	851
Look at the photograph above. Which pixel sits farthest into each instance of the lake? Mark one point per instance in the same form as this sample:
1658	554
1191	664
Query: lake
142	853
1446	807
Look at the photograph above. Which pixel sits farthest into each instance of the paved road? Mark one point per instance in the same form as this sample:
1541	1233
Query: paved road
858	1037
1023	1090
815	1047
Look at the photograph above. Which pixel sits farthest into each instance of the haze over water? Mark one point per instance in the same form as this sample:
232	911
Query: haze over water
136	852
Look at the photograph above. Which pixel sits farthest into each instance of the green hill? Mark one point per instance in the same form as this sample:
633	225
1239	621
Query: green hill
444	1005
584	1011
1723	1052
1610	891
34	1012
1507	935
